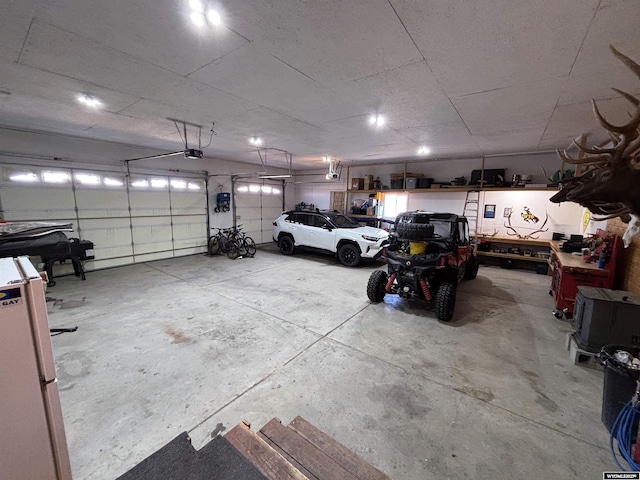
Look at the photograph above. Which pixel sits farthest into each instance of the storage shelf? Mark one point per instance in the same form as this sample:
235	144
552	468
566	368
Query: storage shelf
516	241
513	256
459	189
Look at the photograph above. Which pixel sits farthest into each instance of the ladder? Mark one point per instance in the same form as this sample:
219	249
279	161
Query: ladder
471	210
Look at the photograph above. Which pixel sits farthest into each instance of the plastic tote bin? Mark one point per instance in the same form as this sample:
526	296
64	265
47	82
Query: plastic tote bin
619	382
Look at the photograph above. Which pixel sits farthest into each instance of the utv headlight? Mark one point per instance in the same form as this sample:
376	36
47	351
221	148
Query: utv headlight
371	239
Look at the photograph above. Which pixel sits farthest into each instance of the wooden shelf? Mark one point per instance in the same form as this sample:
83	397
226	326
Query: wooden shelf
355	215
466	188
514	257
516	241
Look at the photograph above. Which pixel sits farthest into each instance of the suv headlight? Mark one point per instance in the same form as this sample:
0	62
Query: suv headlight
371	239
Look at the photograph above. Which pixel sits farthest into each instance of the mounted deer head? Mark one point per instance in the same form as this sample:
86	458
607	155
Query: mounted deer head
610	185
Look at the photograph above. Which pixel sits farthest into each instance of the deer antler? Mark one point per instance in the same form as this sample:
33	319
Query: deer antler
528	235
610	183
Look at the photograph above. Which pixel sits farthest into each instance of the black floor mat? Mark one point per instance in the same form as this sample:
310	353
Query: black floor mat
178	460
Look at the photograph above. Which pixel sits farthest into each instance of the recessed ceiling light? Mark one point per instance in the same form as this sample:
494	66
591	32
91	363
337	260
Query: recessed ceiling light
255	141
424	150
377	120
89	100
197	18
214	17
196	5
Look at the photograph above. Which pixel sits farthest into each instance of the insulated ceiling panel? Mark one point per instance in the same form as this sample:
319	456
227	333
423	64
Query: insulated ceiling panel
572	120
596	69
331	41
158	31
15	18
486	44
462	78
507	109
52	49
269	82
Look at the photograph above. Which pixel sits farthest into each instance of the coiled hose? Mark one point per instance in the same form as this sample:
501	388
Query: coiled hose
622	432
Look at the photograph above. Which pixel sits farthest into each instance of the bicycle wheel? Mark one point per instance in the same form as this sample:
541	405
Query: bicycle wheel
213	246
234	250
250	245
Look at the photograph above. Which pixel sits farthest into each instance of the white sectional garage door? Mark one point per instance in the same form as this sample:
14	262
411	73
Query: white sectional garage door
149	217
258	203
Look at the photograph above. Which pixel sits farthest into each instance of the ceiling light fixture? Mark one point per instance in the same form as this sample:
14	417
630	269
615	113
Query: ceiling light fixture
423	150
326	159
255	141
89	100
196	5
214	17
286	175
197	18
377	120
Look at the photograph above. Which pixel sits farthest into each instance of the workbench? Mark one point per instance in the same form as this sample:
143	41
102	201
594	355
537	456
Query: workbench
571	271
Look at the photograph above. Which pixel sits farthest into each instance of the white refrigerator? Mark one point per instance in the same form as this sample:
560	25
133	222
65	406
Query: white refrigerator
32	438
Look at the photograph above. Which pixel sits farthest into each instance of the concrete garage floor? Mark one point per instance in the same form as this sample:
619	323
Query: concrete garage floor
199	344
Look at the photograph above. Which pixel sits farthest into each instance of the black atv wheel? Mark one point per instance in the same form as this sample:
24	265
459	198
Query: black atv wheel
376	286
471	269
349	255
287	247
414	231
445	301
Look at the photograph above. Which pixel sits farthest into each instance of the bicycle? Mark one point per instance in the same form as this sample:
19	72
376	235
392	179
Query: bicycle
247	245
222	241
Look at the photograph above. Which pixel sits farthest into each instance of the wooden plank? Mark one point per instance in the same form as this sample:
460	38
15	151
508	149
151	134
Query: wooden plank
338	452
307	454
270	463
513	256
514	240
288	457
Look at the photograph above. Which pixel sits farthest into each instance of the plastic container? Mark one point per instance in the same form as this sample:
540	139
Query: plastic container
412	182
619	382
416	248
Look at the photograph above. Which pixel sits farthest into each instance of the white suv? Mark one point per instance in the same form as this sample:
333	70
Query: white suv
327	230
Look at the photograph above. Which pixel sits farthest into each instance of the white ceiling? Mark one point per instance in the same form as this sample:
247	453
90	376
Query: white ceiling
463	78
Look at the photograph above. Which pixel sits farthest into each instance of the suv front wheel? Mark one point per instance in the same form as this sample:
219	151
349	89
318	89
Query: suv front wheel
287	247
349	255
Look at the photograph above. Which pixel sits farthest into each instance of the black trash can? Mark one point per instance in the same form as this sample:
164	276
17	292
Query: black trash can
619	382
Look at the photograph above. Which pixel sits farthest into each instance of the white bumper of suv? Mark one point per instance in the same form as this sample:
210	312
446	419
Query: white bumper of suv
371	249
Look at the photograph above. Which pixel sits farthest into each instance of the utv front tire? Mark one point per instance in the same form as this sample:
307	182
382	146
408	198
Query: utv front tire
349	255
471	270
445	301
287	247
376	286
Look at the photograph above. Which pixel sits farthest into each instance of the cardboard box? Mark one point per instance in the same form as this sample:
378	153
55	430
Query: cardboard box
357	184
371	211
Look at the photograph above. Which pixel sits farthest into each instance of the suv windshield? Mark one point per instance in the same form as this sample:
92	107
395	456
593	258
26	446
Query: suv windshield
342	221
